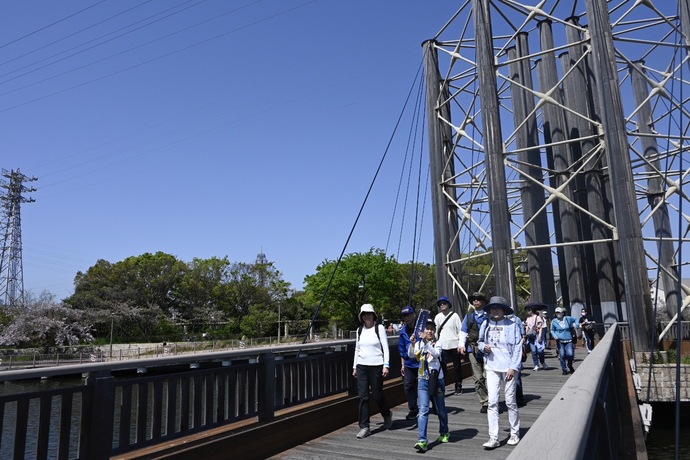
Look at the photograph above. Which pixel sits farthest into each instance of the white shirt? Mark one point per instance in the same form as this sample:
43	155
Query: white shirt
369	350
450	334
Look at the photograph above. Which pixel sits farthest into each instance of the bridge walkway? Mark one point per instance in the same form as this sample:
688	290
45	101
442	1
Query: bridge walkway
468	427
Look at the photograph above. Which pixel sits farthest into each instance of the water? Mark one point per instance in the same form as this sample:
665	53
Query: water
7	429
662	435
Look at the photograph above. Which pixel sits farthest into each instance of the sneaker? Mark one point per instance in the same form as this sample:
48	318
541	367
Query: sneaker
421	446
544	366
572	369
445	437
492	443
589	351
411	415
536	368
363	433
483	409
565	372
388	421
514	439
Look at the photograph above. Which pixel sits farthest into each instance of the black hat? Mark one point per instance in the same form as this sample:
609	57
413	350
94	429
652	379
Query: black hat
536	306
477	296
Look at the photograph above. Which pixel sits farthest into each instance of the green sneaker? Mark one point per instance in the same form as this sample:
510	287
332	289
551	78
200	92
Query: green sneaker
445	437
421	446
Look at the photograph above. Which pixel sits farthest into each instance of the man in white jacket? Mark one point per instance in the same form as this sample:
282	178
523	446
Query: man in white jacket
500	340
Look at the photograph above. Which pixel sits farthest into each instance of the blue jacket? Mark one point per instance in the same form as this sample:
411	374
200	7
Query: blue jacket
560	330
403	346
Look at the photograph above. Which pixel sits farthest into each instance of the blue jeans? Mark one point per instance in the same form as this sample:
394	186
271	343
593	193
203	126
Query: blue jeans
537	352
589	339
423	399
565	354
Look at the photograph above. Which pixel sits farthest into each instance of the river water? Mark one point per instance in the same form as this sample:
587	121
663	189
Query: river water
662	435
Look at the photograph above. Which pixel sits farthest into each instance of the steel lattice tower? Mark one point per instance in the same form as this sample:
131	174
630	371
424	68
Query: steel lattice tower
559	130
11	269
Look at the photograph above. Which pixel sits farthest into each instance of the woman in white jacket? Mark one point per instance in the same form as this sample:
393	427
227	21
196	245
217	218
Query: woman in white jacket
500	340
371	366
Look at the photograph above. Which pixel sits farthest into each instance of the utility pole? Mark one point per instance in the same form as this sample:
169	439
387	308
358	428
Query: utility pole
11	270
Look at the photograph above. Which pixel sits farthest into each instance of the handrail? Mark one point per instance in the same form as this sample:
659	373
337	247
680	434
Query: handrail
147	363
578	422
161	399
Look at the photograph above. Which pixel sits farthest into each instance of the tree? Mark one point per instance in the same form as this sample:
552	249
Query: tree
45	323
369	277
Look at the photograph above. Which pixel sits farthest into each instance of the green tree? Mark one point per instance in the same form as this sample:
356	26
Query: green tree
417	286
370	277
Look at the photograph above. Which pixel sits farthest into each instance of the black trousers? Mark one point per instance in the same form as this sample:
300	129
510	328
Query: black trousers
370	377
451	355
410	386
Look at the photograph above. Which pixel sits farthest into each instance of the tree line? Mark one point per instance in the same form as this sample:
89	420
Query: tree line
157	297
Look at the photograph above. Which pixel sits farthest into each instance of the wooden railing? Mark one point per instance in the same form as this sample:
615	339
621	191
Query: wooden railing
128	405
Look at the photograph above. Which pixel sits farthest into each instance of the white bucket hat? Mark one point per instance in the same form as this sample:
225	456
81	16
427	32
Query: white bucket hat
367	308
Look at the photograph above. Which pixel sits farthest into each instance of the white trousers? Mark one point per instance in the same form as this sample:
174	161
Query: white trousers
493	384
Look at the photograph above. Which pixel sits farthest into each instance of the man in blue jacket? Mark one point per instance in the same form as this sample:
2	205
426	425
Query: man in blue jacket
409	364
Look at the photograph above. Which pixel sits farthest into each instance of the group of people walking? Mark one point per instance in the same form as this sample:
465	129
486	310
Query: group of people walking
491	336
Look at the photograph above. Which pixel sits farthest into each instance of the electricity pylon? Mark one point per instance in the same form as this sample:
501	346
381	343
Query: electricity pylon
11	269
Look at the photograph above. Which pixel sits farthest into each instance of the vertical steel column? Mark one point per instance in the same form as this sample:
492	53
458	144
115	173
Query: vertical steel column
539	263
493	148
441	165
608	275
655	190
554	131
638	298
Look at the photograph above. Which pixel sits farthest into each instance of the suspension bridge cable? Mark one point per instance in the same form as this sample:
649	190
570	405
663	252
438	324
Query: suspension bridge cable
416	213
361	209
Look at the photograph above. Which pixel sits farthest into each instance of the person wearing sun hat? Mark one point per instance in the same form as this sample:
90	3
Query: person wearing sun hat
409	366
448	326
500	340
469	335
371	366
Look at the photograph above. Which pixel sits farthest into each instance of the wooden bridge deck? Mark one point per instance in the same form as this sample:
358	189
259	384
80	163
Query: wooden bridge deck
468	427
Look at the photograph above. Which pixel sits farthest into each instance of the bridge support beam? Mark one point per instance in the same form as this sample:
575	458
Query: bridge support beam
637	293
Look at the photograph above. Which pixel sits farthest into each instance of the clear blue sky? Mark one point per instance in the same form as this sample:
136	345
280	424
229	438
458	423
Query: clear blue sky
226	129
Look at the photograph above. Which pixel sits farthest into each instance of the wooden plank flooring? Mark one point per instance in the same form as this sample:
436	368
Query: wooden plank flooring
468	427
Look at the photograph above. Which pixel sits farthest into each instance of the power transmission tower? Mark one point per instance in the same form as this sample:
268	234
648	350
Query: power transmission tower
11	270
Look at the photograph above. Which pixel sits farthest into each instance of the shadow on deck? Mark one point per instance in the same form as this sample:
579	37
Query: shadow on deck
468	427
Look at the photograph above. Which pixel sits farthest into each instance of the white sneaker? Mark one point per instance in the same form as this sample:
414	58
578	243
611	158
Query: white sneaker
536	368
514	439
363	433
492	443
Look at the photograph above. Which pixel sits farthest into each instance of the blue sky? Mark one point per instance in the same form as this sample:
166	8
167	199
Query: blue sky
227	129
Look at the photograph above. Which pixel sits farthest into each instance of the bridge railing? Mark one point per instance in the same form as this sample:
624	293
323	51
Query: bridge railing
124	406
594	415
